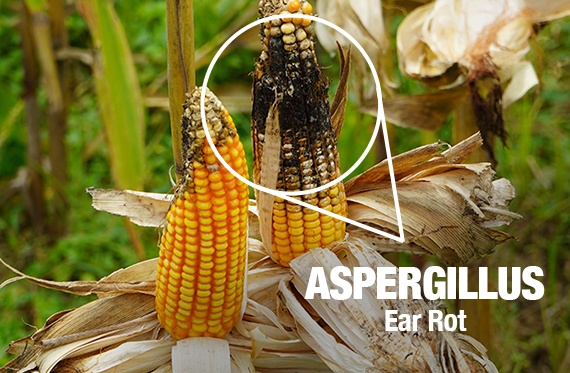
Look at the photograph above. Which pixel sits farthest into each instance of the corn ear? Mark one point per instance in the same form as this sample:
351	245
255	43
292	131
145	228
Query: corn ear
201	266
288	77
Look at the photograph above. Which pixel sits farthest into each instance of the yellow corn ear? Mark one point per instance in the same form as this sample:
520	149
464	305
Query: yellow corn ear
288	75
202	260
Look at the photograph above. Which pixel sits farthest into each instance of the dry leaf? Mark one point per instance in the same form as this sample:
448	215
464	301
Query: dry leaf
423	112
442	202
338	106
279	332
359	342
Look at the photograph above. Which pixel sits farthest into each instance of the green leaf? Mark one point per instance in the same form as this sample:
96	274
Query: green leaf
118	93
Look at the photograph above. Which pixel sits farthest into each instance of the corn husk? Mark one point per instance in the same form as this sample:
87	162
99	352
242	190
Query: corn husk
449	209
279	332
442	34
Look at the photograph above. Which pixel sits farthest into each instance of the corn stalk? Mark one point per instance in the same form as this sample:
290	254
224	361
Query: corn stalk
181	75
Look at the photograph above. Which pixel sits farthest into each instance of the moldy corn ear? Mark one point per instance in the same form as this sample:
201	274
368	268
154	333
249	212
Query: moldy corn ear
288	74
201	266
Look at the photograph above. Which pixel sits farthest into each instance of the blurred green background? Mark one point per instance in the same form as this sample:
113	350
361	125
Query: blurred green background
72	241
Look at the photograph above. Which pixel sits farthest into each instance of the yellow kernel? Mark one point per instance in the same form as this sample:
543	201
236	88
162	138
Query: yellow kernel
188	273
184	305
306	22
232	194
222	149
285	259
170	323
206	236
279	212
297	239
281	234
202	205
207	243
215	177
204	195
293	5
207	250
203	293
296	231
216	316
295	223
229	311
307	8
199	171
217	186
210	159
312	224
280	227
326	240
237	162
295	215
281	241
297	21
200	328
178	244
188	292
327	227
174	276
214	329
287	28
338	234
313	245
282	249
219	201
279	219
311	237
200	182
218	217
219	208
220	246
218	302
190	223
312	216
185	298
297	247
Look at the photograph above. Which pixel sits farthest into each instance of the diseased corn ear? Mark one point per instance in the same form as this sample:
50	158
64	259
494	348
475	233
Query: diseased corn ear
288	79
201	266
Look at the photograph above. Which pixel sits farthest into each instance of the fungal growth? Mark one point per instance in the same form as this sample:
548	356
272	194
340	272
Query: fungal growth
288	75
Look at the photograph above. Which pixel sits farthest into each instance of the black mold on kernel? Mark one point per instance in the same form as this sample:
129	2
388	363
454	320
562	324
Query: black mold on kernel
288	69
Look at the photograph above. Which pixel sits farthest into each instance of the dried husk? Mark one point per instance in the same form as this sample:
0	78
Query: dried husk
279	332
449	209
437	37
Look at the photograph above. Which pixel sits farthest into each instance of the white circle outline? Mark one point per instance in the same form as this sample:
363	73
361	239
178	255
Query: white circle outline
278	193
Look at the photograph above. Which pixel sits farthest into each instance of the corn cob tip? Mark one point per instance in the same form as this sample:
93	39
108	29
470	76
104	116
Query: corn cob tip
221	129
295	34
